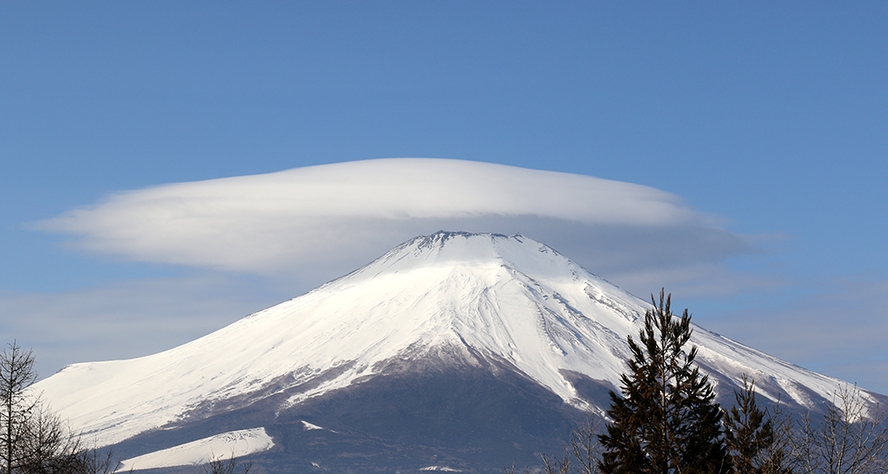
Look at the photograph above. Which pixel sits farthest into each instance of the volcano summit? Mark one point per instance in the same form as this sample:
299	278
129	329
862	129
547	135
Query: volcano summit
453	350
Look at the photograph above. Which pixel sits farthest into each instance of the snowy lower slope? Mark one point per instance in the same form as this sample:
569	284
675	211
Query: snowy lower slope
508	299
222	447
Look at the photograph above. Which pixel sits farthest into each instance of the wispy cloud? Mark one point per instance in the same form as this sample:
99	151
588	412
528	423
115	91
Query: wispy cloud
327	220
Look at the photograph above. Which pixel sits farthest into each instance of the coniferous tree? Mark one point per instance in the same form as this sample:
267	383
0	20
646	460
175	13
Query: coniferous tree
756	445
667	421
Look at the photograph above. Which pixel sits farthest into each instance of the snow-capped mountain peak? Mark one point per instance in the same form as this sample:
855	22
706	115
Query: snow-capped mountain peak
506	303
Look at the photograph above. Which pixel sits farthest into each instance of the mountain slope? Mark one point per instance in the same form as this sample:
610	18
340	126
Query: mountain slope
452	307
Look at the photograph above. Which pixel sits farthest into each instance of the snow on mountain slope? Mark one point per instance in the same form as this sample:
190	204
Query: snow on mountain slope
222	446
509	299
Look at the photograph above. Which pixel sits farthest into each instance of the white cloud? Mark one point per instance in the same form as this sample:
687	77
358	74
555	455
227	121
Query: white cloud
301	227
322	221
304	226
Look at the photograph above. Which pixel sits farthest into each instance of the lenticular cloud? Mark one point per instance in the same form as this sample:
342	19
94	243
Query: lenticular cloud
332	218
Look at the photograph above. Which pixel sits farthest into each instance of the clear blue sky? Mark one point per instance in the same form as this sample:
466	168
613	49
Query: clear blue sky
771	116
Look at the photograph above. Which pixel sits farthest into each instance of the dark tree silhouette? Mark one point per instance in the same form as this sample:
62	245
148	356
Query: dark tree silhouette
755	444
667	420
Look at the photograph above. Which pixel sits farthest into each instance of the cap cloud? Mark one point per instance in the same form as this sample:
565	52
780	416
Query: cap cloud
330	219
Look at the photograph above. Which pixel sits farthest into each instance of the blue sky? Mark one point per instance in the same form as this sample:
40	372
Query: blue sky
768	119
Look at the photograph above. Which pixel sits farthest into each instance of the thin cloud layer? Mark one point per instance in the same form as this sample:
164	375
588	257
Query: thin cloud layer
127	319
330	219
836	327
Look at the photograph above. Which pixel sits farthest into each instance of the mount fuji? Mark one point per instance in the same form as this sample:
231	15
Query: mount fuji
453	351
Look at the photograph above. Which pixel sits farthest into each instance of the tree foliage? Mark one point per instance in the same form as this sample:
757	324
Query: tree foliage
667	420
755	438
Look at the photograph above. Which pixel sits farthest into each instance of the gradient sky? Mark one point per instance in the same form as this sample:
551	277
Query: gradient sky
769	120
